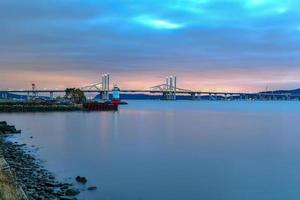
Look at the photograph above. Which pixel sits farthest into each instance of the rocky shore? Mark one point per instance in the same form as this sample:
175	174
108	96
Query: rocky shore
52	106
29	106
30	175
7	129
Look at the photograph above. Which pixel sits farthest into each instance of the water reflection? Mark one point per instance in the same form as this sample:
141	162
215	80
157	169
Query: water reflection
174	150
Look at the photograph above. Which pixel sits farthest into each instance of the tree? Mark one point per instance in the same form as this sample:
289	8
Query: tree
75	95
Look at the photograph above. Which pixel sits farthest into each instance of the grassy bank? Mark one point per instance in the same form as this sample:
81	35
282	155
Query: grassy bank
8	189
30	106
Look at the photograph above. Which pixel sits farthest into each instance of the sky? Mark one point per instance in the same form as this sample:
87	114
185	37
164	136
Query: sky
210	45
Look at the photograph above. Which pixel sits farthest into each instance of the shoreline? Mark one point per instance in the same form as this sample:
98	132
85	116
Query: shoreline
24	177
49	106
18	107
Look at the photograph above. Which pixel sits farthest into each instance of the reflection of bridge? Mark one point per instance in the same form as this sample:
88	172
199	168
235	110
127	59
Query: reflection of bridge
169	90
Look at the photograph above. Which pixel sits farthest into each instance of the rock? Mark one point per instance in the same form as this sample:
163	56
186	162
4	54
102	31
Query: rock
51	177
67	198
7	129
92	188
3	123
51	184
64	187
81	179
72	192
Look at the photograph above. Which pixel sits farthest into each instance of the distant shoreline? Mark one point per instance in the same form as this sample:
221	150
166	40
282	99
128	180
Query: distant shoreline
39	108
48	106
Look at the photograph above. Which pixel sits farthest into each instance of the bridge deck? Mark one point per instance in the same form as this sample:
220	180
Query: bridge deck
154	91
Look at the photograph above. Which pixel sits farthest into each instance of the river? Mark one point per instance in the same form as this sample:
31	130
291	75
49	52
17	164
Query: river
181	150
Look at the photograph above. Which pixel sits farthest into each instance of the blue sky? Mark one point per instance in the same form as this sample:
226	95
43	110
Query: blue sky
236	45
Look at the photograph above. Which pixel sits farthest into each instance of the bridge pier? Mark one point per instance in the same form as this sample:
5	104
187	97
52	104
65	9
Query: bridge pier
199	96
258	97
196	96
104	95
169	96
242	97
193	95
165	96
51	95
100	95
5	95
225	97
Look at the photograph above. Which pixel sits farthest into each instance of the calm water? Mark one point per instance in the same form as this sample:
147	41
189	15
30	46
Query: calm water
184	150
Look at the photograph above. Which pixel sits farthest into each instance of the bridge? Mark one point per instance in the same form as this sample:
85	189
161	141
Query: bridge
168	90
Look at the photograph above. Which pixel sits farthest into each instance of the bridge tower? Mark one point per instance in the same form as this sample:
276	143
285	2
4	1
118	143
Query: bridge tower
170	89
105	86
102	87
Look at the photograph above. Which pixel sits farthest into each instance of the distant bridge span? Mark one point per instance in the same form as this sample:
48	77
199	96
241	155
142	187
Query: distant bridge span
126	91
169	90
192	93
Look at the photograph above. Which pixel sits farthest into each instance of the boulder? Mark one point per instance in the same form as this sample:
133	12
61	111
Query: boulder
3	123
72	192
67	198
7	129
81	179
92	188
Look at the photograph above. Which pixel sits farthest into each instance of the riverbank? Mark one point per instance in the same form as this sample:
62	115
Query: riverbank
52	106
8	189
30	106
22	170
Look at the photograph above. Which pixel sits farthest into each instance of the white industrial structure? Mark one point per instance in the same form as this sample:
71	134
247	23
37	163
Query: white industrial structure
105	87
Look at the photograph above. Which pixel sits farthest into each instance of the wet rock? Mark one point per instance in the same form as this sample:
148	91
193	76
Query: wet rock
66	198
72	192
7	129
81	179
51	184
92	188
51	177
